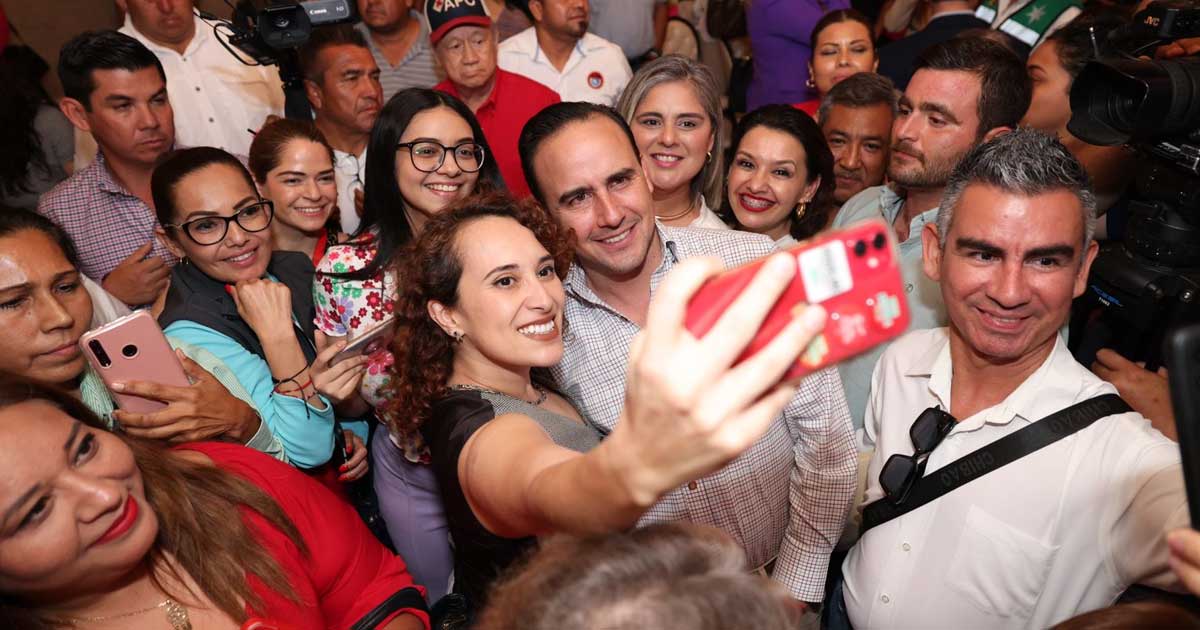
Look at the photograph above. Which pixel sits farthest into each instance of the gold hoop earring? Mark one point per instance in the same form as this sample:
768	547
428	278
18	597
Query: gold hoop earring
800	209
708	157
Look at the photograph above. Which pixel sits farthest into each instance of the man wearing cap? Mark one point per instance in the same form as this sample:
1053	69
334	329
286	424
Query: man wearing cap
464	40
558	52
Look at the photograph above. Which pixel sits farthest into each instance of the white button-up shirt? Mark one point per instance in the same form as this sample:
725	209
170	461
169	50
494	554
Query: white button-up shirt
349	174
596	71
217	99
1058	532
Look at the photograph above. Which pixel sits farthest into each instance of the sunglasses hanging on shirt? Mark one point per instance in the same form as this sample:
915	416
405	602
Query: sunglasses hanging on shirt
901	471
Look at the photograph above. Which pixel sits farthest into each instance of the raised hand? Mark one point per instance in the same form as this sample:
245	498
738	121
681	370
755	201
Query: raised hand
688	409
139	279
201	411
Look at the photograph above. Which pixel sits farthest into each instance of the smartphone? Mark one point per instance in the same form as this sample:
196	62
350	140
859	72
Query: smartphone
368	342
854	273
1183	374
133	348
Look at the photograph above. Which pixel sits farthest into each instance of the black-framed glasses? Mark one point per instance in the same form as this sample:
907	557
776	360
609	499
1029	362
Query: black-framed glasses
211	230
900	472
428	156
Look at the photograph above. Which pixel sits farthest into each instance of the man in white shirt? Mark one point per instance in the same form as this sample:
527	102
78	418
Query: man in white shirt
558	52
219	101
341	80
1060	531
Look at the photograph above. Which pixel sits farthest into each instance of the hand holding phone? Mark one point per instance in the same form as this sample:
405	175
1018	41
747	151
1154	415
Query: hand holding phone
853	273
133	348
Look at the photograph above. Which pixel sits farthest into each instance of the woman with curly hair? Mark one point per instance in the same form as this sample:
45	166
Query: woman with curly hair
427	151
481	317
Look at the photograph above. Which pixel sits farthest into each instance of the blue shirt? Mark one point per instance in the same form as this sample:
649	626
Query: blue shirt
924	295
305	431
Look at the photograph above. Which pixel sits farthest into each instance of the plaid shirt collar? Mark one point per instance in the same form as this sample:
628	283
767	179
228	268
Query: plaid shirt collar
576	282
104	178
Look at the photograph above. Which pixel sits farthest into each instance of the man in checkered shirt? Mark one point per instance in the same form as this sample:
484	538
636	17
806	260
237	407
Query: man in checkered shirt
786	499
115	88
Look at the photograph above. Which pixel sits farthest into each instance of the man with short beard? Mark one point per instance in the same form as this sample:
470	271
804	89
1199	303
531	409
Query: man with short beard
963	93
558	52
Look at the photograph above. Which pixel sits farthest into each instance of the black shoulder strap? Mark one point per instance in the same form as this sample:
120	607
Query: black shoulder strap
1002	452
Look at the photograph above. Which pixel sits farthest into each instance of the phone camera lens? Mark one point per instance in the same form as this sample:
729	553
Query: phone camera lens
99	353
129	351
880	241
860	248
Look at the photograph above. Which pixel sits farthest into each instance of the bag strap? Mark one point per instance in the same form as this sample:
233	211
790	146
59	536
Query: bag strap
998	454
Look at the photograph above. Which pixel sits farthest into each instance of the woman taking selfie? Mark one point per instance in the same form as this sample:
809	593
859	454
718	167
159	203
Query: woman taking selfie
292	166
842	46
481	317
426	152
103	530
45	308
249	306
781	177
673	106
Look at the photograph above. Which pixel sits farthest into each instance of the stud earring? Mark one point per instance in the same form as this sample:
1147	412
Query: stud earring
458	336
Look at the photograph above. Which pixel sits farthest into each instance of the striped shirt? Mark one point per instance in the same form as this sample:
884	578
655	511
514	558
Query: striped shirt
418	68
786	497
105	222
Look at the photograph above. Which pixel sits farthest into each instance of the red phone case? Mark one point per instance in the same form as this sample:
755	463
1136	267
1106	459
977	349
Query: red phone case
853	272
149	358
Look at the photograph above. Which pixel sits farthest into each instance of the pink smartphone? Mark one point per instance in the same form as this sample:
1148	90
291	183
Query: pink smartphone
133	348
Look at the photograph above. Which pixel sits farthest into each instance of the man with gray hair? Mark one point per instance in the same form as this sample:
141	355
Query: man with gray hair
1056	531
856	117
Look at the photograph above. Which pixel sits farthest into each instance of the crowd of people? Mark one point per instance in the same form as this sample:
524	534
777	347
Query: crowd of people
521	198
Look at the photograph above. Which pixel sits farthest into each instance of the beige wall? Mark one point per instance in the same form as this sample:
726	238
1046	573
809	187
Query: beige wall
47	24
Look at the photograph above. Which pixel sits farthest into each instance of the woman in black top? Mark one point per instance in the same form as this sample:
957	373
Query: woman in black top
481	314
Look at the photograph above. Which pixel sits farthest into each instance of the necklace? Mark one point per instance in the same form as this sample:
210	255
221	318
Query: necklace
681	214
177	615
541	398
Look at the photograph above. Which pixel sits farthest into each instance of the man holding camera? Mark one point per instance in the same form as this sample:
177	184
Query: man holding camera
991	511
217	98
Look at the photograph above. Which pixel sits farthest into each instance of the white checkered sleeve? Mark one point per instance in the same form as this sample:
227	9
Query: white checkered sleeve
821	489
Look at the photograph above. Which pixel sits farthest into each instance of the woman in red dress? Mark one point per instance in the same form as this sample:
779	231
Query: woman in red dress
102	530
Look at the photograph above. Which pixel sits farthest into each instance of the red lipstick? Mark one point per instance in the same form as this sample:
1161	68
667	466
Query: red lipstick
123	523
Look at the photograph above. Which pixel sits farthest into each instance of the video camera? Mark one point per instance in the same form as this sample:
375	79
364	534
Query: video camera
1149	284
272	35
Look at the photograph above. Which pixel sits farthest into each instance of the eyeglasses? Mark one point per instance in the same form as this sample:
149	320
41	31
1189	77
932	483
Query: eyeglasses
902	471
428	157
211	230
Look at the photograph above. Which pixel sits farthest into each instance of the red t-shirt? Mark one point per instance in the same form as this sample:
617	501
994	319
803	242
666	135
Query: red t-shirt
809	107
347	573
513	101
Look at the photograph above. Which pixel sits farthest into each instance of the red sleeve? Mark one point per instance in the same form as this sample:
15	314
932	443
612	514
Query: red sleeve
350	572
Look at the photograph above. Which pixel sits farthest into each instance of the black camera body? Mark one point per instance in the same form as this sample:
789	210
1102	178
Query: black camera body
269	34
272	35
1148	284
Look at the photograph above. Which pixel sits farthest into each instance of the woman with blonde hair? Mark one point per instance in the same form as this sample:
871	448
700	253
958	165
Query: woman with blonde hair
673	106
